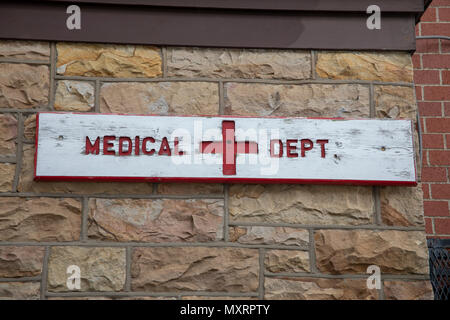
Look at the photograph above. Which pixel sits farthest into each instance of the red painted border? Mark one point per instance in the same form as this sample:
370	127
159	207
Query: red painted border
414	149
220	180
229	180
36	144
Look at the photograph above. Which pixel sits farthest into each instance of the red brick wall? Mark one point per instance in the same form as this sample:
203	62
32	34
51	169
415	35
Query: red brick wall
432	80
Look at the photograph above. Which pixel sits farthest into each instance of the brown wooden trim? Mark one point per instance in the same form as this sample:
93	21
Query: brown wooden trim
416	6
46	20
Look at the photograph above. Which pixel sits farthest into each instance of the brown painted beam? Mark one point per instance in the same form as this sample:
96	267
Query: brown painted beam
206	27
416	6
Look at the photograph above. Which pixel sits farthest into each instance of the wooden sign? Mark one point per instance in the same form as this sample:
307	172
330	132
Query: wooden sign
73	146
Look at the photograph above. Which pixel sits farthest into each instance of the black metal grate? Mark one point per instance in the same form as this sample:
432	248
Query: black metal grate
439	251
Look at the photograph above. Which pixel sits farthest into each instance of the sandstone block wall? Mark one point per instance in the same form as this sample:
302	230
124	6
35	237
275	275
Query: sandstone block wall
184	241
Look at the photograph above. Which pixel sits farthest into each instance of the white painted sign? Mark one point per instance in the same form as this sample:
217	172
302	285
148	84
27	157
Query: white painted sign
73	146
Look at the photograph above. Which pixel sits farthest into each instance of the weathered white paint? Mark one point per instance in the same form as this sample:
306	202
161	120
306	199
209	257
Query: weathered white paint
358	151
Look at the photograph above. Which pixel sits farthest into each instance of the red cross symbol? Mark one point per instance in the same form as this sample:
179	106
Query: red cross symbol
229	148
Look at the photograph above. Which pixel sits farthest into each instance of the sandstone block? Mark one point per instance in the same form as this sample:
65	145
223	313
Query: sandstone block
7	171
352	251
74	96
194	269
8	135
402	206
287	261
101	269
21	261
395	102
163	98
371	66
301	204
269	236
23	86
162	220
317	289
20	290
238	63
39	219
29	131
306	100
25	50
108	60
408	290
